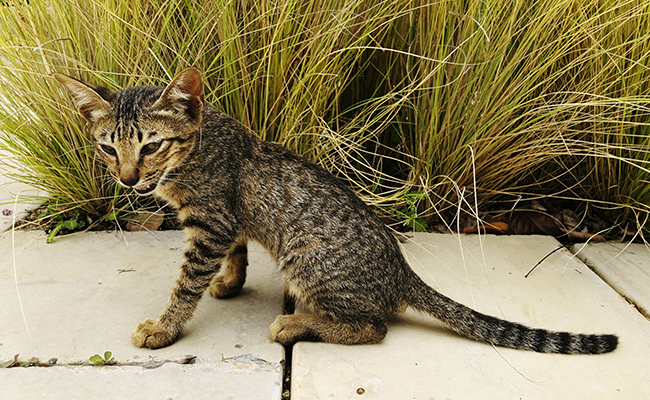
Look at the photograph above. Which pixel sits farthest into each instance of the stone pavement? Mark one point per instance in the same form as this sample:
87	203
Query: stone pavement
83	294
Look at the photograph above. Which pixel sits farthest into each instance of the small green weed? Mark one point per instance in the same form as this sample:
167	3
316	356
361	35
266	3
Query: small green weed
100	361
407	211
70	224
15	363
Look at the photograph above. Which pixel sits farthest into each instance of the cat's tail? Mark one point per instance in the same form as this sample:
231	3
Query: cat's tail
484	328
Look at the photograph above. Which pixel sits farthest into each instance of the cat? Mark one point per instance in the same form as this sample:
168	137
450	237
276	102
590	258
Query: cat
228	187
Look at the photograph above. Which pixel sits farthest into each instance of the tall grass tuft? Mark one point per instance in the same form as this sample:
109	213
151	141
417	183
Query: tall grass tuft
437	107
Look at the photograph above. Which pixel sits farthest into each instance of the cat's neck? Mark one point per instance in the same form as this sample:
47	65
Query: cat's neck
214	162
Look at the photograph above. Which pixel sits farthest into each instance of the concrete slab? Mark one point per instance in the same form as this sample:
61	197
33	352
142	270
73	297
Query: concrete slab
625	267
421	360
169	381
84	294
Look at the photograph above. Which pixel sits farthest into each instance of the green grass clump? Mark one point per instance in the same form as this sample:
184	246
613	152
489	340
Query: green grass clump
425	108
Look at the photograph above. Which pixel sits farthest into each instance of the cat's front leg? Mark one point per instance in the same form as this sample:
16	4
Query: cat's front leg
202	261
185	297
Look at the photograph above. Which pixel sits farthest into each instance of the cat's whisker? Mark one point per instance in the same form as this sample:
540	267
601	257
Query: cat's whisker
179	181
78	148
107	177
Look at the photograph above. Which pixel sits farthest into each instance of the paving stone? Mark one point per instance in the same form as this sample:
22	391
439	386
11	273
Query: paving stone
169	381
84	294
419	359
625	267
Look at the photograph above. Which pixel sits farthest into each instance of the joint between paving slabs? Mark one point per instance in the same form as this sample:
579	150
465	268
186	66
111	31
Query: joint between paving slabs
288	308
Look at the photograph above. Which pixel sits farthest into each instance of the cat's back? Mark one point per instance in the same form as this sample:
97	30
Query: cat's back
294	201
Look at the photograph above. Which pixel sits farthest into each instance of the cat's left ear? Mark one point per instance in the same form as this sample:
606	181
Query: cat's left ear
184	95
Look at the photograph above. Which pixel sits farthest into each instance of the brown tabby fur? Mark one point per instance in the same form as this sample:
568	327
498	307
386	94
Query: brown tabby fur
230	187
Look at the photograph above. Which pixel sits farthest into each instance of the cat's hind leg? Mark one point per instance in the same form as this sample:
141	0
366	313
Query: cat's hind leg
288	329
234	275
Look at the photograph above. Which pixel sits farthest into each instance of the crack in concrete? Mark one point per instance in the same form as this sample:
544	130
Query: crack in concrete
54	362
244	361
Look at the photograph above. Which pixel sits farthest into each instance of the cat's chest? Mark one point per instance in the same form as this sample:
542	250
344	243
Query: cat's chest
173	194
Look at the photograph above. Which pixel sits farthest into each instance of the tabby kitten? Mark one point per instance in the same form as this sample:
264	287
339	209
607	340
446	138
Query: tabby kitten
229	187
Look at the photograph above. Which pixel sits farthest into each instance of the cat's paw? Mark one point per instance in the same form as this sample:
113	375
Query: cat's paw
288	329
221	289
150	335
282	331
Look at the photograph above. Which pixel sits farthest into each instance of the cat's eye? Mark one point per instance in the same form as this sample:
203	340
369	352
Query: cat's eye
108	150
150	148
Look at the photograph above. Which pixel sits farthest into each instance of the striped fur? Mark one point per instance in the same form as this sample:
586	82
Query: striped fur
229	187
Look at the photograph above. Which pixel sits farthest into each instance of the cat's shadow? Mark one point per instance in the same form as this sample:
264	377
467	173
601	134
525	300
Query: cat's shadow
421	323
226	310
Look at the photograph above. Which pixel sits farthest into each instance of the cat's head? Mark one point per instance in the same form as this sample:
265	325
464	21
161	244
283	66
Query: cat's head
142	133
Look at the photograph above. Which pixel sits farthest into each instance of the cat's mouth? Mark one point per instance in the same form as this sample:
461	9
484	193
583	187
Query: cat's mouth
144	190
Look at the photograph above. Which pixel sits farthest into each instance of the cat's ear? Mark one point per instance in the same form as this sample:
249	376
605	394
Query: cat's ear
184	95
87	98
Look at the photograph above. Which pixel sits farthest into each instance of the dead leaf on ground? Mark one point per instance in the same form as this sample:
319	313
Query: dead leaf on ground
580	237
497	228
145	221
533	223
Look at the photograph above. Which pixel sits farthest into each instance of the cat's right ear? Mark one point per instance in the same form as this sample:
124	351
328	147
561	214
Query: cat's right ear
90	104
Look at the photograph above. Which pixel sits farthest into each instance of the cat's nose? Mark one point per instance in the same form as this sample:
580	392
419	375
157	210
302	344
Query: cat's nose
129	177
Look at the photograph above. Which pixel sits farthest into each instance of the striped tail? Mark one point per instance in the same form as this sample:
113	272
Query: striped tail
484	328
